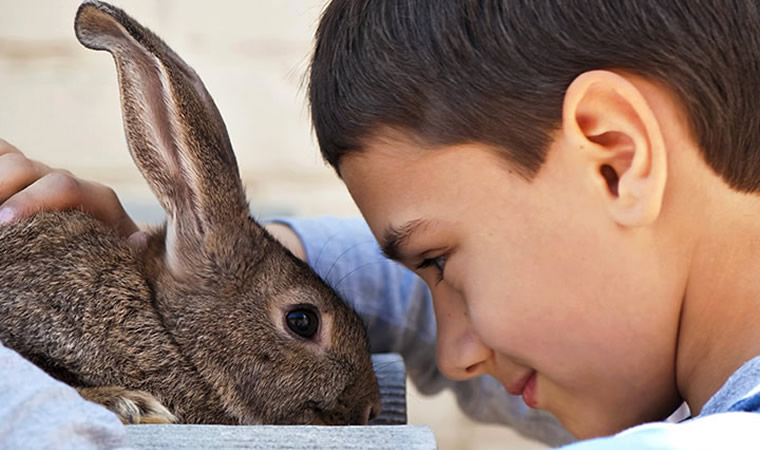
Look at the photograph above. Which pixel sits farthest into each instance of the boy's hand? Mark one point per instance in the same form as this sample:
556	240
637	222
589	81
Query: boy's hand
28	186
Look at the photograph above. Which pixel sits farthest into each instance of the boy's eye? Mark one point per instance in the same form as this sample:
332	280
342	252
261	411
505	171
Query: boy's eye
439	263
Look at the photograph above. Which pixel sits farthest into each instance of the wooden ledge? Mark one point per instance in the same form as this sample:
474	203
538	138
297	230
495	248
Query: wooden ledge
296	437
387	431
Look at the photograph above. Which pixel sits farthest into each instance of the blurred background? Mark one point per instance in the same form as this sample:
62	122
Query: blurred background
59	103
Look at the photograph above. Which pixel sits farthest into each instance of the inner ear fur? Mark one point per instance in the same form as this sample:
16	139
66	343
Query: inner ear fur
610	125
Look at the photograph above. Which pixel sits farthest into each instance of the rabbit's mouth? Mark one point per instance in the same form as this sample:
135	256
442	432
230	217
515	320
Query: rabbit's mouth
334	418
318	416
327	419
318	421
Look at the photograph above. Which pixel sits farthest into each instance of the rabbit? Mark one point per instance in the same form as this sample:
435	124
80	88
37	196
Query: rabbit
212	320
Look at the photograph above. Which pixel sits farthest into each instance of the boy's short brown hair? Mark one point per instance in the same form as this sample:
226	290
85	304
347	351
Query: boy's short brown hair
495	71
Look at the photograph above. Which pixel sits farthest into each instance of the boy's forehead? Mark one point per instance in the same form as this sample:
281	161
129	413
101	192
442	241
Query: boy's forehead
384	150
391	155
393	180
389	158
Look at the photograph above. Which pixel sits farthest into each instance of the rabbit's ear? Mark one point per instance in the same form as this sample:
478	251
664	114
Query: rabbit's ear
175	132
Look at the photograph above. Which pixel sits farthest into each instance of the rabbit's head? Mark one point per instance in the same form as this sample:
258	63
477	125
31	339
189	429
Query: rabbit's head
274	342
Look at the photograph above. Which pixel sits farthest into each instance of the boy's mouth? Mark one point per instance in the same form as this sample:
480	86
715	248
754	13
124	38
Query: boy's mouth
525	386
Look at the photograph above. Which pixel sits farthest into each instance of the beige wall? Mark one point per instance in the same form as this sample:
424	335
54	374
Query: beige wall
60	100
59	103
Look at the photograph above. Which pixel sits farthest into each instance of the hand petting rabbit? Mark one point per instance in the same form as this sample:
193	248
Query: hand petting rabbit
213	321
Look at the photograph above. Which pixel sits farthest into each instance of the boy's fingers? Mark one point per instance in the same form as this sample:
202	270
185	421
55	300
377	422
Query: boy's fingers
17	172
6	147
58	191
28	186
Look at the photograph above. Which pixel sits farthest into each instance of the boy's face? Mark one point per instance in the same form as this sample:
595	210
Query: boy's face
539	287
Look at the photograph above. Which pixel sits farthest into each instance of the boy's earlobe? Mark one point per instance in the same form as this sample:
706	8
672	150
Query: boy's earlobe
609	125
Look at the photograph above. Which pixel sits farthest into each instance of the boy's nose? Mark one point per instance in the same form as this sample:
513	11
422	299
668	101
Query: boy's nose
460	353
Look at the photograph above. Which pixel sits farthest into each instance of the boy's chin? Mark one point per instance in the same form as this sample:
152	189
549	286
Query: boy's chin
584	431
593	424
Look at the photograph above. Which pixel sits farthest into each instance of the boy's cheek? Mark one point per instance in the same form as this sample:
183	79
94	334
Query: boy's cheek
580	378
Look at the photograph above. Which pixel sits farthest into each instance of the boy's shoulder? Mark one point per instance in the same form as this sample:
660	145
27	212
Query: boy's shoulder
741	392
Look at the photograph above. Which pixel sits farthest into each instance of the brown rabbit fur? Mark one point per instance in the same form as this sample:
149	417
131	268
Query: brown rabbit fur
198	320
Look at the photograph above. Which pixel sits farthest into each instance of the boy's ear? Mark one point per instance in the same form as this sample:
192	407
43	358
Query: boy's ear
611	126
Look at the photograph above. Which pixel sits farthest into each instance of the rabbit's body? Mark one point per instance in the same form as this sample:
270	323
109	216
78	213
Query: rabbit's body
212	317
90	325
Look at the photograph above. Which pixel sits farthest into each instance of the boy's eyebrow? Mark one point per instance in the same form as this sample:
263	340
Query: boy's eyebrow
395	238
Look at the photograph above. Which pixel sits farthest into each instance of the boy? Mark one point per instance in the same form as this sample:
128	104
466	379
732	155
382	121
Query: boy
575	182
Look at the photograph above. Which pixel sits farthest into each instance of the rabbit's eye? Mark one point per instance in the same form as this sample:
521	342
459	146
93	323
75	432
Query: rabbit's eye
302	322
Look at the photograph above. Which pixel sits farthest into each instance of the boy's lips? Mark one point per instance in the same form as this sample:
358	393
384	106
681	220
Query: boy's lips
525	386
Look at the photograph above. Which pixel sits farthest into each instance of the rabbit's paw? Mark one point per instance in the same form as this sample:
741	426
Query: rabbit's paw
132	407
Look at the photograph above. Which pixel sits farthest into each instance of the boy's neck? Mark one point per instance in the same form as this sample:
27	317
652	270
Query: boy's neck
720	317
